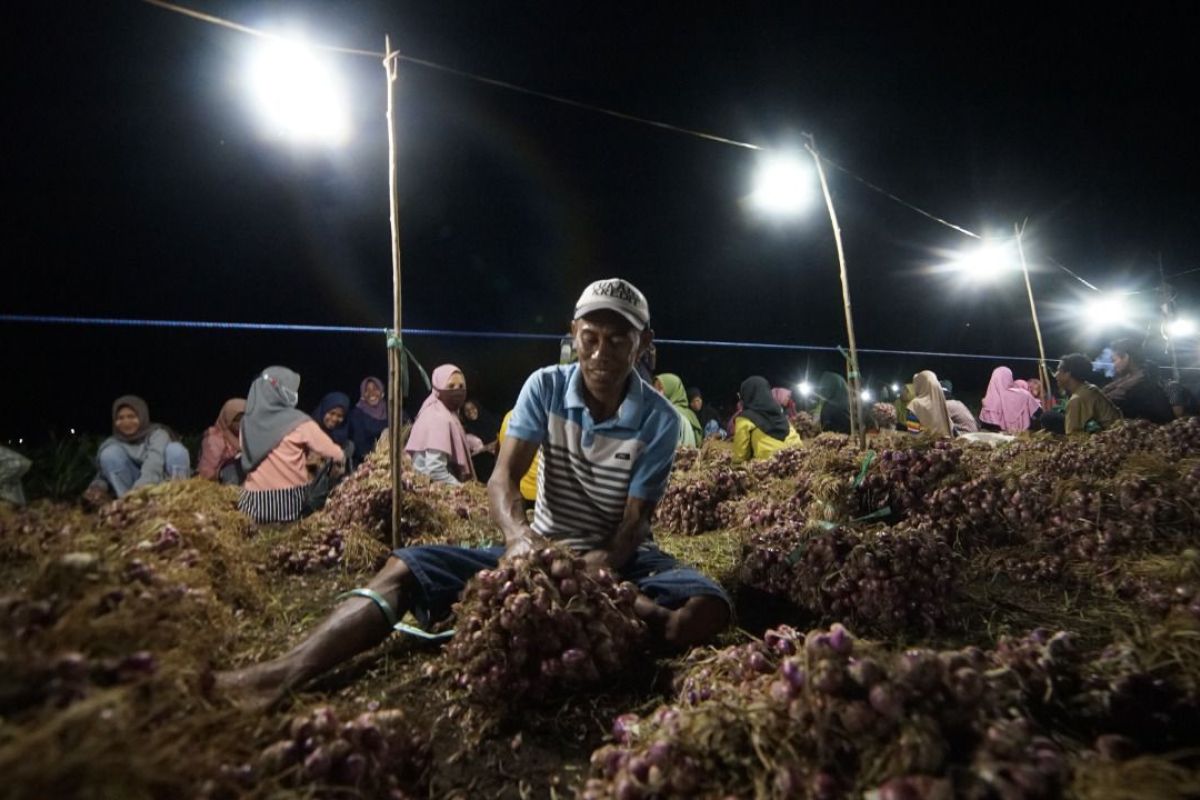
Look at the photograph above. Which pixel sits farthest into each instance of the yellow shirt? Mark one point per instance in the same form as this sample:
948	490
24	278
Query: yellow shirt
529	479
750	442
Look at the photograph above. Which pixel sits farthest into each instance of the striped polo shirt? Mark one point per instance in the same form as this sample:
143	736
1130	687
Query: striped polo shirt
588	469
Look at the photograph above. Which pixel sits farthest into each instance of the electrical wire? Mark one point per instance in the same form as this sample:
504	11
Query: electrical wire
43	319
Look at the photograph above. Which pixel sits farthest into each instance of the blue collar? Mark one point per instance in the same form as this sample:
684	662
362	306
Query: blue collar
628	413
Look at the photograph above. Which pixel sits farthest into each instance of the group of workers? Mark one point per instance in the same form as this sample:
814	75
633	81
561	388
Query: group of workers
581	460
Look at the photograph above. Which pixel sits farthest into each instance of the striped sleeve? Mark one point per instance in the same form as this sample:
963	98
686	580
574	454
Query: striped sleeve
528	421
652	470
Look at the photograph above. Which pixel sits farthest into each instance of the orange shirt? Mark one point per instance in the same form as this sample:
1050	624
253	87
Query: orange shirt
287	465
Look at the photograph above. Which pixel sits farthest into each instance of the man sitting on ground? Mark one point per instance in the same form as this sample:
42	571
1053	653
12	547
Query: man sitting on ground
1088	410
607	442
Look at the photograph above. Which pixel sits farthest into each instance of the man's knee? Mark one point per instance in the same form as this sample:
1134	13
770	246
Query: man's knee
394	576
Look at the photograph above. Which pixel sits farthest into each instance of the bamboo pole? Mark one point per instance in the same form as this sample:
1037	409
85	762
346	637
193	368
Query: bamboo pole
857	430
395	346
1167	307
1043	370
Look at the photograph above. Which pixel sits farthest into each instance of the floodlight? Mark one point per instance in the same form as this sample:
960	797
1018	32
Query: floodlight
985	262
297	94
1181	329
783	185
1107	310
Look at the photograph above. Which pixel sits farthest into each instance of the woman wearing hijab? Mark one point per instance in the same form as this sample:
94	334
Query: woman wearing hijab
438	442
1006	407
786	400
481	424
332	417
277	440
1034	387
221	448
368	418
927	412
761	428
139	452
690	432
835	403
710	420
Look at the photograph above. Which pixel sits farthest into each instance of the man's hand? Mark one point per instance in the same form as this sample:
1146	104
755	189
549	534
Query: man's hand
522	545
598	558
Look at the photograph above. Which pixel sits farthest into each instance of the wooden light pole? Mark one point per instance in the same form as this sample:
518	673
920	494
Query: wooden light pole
1043	370
395	340
857	431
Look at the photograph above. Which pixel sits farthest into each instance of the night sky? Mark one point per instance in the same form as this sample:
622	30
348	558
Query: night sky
140	186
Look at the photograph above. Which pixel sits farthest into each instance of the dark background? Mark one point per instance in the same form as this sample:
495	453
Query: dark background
139	186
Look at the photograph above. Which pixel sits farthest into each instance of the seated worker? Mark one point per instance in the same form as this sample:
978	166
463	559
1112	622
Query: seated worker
835	403
690	432
704	412
221	448
276	442
1007	407
961	418
13	467
596	415
1134	389
927	411
1088	410
1182	399
761	427
482	425
139	453
529	481
438	442
368	418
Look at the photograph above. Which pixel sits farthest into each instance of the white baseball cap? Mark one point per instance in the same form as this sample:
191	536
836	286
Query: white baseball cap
615	294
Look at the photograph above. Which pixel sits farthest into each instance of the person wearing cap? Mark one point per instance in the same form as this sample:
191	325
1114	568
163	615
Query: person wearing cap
607	444
1088	410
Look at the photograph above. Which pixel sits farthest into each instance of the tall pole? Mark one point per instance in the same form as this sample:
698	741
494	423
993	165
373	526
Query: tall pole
395	342
1167	305
857	431
1043	370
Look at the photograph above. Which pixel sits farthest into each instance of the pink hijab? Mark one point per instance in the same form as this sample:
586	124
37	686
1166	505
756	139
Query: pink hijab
784	398
439	428
1006	405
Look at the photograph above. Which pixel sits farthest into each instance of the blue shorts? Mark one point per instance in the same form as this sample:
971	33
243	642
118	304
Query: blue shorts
442	571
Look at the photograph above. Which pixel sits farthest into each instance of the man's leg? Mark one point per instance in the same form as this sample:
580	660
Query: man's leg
355	625
681	606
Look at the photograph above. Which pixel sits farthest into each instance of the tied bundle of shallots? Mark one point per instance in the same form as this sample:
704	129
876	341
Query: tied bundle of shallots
376	751
540	623
691	507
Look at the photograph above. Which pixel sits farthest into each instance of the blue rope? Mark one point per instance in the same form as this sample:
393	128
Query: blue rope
293	328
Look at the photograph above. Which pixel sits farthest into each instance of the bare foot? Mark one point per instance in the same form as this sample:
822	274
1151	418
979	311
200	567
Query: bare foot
254	688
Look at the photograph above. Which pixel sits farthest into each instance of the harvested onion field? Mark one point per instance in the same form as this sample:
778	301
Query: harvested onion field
921	620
